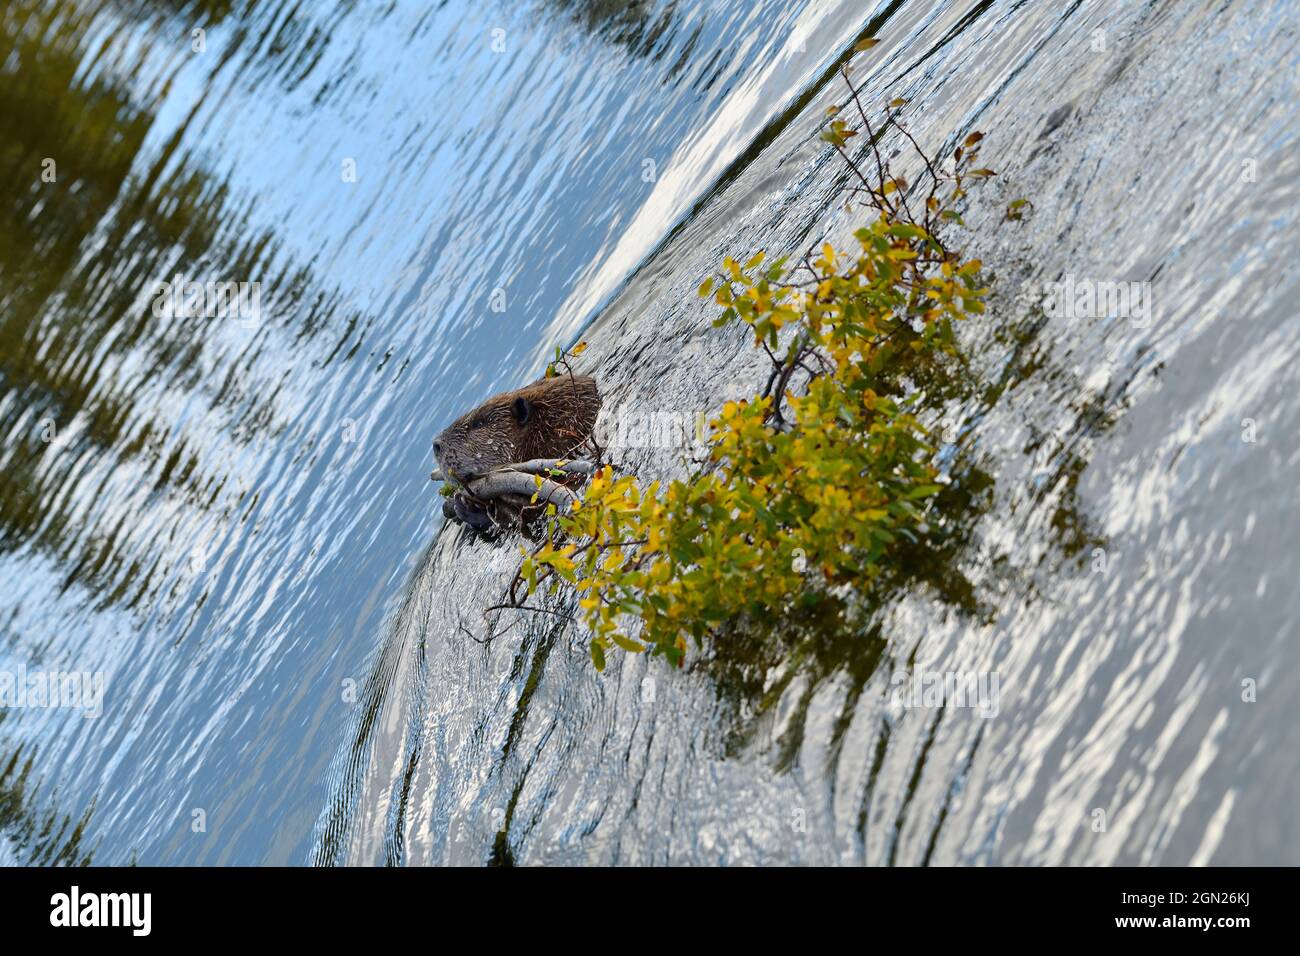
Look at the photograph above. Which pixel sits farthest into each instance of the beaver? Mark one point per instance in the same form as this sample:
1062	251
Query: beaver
550	418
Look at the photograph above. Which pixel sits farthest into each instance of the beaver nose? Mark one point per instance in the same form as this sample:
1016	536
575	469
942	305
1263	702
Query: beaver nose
437	448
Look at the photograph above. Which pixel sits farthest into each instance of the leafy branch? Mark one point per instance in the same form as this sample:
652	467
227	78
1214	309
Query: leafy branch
815	483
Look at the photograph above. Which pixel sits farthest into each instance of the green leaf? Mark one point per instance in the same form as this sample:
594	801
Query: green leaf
923	491
632	647
906	230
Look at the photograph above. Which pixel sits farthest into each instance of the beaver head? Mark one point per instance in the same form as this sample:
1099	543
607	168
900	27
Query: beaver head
548	419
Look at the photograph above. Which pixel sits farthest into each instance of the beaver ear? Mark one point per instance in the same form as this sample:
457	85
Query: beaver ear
523	410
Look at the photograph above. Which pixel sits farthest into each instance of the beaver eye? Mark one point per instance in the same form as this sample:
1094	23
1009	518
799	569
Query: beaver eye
477	423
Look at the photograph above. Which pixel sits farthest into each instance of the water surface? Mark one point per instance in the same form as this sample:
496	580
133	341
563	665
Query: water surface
232	521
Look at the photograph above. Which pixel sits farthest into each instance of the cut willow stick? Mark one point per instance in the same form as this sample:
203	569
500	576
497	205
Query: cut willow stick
506	482
520	479
537	466
543	465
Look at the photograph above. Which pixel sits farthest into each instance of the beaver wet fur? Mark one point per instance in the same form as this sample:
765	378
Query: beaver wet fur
551	418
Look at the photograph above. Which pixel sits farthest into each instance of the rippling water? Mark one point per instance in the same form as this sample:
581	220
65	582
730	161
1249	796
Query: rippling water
215	513
230	519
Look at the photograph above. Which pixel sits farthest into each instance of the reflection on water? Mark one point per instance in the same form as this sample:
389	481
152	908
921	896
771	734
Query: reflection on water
216	511
639	25
36	835
92	378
